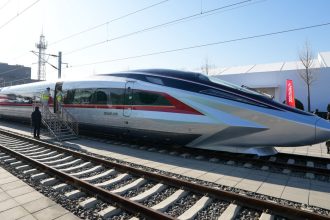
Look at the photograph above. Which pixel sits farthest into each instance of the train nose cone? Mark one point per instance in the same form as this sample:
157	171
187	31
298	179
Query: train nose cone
322	130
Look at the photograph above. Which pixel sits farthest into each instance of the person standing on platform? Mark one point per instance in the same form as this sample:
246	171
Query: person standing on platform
36	122
45	96
328	146
59	99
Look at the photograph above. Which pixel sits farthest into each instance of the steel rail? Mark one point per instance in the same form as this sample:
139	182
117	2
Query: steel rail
90	189
300	168
256	160
242	200
262	160
323	160
259	161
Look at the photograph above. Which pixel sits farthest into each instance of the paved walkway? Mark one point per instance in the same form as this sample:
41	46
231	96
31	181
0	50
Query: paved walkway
20	201
302	190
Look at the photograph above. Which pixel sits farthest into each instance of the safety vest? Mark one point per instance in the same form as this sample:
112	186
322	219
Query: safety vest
59	97
45	96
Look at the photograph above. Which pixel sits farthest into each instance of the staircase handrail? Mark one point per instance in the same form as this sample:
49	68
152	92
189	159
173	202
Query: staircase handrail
53	126
70	120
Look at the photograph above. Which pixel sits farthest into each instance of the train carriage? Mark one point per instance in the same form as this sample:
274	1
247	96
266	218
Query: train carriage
175	107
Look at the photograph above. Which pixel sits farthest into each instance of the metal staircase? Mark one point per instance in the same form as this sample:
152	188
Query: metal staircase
62	126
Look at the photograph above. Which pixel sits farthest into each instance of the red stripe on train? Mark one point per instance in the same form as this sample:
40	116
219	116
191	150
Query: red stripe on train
179	108
175	107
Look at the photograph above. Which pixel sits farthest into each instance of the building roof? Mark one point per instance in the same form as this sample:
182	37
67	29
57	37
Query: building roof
323	60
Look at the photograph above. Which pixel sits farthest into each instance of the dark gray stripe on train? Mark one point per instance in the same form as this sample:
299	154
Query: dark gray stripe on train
183	80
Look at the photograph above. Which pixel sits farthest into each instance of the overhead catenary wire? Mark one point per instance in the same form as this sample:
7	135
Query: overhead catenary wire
205	45
99	25
194	16
23	54
46	60
18	14
172	22
106	23
5	4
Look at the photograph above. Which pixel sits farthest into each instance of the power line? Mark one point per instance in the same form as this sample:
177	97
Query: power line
194	16
4	5
18	14
106	23
97	26
214	11
183	19
19	56
205	45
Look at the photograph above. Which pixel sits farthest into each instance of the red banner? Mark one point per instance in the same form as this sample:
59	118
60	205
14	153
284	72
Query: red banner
290	93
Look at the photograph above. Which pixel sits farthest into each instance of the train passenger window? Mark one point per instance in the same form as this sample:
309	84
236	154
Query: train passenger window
77	96
11	97
148	98
83	96
69	96
117	96
101	96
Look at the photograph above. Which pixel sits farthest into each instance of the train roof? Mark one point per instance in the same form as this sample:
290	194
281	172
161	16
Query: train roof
191	76
183	75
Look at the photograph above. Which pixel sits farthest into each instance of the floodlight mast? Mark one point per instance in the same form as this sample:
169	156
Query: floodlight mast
42	46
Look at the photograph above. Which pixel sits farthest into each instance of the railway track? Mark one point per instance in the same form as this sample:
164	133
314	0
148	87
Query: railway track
107	189
304	166
293	164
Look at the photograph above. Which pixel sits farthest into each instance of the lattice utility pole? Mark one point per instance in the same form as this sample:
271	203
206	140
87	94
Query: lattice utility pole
42	46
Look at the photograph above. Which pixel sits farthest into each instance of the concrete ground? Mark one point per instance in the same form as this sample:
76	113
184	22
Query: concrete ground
20	201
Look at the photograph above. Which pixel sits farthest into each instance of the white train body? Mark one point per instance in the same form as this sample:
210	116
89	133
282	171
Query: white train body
176	107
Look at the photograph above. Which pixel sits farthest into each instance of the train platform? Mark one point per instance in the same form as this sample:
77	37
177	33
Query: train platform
20	201
285	186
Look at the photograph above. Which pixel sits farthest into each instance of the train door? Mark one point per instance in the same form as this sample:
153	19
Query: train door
128	98
58	87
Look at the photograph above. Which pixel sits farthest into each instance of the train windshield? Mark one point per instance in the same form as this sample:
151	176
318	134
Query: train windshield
241	88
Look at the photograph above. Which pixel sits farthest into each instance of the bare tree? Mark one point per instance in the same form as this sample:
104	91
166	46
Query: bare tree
306	57
206	66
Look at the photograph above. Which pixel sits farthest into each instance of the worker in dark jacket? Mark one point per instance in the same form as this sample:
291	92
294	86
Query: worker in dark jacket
36	122
327	143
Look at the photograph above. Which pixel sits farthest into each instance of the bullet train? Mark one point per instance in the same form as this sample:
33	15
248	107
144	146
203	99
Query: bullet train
170	106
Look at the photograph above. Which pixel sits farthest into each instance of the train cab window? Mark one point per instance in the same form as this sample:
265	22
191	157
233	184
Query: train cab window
101	96
117	96
148	98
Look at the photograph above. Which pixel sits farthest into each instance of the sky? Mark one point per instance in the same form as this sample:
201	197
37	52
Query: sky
102	36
